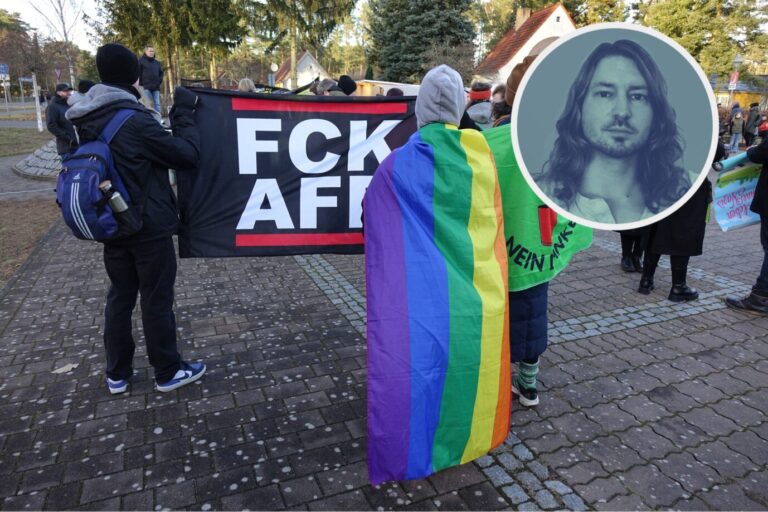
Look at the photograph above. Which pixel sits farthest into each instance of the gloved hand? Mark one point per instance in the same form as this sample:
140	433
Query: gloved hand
183	97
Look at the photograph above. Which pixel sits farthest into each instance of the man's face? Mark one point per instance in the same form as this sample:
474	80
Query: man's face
149	52
616	115
64	94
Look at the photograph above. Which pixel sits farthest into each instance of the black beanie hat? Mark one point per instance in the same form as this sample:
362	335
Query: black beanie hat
84	86
117	65
347	85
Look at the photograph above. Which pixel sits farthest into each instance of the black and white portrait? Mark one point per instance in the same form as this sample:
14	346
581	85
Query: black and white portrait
619	154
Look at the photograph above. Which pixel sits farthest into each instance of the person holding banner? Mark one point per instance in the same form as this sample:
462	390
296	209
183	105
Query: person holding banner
145	262
757	300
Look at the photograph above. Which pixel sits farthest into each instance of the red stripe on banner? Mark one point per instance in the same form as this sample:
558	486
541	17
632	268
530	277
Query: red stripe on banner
298	239
318	106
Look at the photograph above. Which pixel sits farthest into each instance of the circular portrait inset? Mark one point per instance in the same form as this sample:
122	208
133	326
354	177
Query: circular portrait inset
614	126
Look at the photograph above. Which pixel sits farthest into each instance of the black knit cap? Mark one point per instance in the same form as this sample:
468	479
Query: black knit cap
347	85
117	65
84	86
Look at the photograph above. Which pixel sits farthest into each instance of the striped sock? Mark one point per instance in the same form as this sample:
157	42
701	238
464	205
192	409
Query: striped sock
527	373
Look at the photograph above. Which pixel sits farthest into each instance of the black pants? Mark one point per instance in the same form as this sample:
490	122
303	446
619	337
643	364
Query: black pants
679	266
762	280
631	245
149	269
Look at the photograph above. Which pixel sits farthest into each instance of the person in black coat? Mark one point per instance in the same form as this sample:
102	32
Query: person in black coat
143	263
757	300
151	77
681	235
58	124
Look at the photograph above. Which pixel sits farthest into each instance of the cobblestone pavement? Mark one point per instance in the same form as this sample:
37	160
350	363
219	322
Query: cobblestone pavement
645	403
13	186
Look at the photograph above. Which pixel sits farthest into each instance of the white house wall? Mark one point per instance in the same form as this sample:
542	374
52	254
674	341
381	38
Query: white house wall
550	28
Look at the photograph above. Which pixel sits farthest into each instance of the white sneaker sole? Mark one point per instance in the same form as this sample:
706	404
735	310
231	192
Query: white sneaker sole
181	383
524	401
117	391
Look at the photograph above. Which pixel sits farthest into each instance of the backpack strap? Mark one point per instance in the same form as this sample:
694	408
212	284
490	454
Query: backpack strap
114	124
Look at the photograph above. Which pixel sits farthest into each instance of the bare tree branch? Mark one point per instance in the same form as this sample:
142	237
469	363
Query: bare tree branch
61	27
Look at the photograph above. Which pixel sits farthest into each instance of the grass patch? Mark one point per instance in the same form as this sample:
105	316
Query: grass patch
20	231
17	141
22	117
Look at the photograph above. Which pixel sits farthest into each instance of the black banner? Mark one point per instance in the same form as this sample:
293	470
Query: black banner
283	174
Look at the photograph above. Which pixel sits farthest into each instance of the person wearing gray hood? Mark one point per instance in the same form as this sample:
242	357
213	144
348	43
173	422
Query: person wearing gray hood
143	263
441	97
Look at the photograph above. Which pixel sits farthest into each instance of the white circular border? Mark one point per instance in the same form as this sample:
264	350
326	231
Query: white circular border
516	110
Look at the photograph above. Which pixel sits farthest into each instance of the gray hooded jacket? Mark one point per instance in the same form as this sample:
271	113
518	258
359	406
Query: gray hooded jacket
441	97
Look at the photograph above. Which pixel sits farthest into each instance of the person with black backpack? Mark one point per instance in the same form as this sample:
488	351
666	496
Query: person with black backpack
139	257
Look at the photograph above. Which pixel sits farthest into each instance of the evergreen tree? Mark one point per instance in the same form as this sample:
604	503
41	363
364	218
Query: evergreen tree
599	11
713	32
401	32
217	26
305	23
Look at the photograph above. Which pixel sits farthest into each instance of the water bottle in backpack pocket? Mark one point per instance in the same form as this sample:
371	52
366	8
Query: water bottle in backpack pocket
94	201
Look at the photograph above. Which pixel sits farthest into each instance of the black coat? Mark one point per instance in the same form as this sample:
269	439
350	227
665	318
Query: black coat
759	155
59	126
150	73
682	233
143	151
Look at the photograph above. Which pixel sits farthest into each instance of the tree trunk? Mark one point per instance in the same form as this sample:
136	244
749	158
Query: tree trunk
212	69
170	75
294	74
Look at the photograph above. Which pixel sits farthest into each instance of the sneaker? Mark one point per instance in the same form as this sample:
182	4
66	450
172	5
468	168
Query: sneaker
117	386
753	303
528	396
187	374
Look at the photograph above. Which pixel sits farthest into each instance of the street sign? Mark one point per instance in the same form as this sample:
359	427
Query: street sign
734	81
4	69
26	79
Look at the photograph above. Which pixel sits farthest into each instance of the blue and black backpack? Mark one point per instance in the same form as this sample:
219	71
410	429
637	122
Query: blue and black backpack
83	205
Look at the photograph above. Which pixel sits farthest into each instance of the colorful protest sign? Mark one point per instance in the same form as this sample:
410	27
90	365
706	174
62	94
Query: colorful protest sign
732	197
540	243
285	174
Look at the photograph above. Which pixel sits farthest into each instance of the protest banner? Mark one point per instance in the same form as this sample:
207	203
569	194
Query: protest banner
283	174
732	197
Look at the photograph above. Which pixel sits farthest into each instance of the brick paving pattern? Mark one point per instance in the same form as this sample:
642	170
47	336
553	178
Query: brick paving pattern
645	403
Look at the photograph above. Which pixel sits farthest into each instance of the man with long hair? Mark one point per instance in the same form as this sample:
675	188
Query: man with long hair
614	160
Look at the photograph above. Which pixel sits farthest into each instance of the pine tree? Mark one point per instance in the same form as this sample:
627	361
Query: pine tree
402	31
713	32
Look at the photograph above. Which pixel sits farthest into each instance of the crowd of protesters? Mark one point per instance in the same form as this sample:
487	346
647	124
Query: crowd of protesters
144	264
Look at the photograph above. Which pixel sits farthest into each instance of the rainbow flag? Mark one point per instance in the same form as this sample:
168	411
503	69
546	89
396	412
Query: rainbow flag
438	329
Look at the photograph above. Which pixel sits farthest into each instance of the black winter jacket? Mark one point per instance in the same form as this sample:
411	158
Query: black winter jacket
143	151
150	73
759	155
59	125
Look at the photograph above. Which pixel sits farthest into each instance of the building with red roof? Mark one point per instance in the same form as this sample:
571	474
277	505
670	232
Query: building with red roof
532	32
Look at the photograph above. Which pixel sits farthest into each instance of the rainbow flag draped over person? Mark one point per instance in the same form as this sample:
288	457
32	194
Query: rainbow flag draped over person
438	328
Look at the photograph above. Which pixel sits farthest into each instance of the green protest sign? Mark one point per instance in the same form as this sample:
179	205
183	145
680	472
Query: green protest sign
540	243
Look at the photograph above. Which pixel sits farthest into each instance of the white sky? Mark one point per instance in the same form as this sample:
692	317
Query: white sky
36	21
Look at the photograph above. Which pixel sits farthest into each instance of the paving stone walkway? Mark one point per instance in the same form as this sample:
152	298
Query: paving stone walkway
645	403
